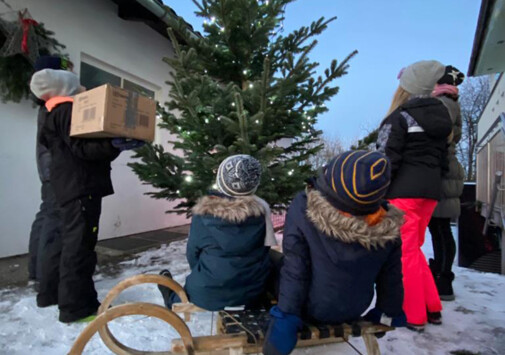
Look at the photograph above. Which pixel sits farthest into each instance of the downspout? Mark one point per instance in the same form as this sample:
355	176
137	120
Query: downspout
160	12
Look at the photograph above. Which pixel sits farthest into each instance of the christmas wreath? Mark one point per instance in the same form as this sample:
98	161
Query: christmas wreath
22	40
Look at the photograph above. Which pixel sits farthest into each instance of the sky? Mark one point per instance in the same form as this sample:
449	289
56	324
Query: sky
388	35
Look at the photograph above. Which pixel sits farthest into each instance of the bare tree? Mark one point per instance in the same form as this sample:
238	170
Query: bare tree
332	147
474	94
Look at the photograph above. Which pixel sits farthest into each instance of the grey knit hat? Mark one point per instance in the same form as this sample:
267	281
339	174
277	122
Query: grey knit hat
420	78
238	175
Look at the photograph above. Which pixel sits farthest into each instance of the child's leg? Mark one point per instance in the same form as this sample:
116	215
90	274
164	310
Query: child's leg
449	246
433	303
413	303
437	242
77	297
48	262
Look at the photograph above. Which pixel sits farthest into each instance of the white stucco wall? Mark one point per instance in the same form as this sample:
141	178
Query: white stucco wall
91	30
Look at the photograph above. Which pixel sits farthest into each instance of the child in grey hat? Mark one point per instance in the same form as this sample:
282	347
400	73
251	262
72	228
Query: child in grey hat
229	241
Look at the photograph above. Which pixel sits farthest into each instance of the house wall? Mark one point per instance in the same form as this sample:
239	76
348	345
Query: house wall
494	107
91	31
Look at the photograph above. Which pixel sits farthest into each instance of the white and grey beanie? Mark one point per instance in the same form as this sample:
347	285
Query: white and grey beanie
238	175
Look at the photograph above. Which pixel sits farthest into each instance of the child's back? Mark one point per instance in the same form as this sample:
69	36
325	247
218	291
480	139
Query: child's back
229	262
229	241
342	259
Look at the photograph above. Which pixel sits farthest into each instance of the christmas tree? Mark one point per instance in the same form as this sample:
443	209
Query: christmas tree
242	88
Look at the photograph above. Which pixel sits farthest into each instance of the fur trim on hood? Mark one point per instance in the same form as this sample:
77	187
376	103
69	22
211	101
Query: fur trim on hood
233	210
352	229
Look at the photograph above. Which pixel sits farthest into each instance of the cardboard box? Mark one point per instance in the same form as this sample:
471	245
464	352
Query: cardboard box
109	111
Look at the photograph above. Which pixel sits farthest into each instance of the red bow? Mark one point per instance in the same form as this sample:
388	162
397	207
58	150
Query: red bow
26	23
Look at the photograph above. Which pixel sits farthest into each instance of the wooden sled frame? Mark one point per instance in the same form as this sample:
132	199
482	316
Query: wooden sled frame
187	344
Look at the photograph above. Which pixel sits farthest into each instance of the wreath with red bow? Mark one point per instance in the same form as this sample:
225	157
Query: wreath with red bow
22	40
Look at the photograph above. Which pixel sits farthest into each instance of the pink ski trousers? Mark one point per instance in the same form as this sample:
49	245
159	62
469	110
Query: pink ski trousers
421	293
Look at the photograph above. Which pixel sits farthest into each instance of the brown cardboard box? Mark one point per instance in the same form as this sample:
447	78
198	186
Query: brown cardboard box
109	111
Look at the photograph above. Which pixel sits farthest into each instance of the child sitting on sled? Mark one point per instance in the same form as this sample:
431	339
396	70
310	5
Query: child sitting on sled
229	241
340	240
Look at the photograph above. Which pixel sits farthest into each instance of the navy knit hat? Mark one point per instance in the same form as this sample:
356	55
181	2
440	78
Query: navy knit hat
52	62
356	181
238	175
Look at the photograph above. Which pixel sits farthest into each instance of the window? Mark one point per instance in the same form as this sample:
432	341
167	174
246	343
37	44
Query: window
92	77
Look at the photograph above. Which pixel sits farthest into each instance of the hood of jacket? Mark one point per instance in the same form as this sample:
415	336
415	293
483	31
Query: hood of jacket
49	83
234	210
352	229
431	114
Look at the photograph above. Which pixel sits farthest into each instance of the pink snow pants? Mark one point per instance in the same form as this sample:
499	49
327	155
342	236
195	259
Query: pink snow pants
421	293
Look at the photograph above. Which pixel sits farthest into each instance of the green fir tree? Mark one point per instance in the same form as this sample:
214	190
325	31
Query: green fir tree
243	87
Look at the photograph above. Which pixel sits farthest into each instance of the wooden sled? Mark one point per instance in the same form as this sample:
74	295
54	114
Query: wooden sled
238	332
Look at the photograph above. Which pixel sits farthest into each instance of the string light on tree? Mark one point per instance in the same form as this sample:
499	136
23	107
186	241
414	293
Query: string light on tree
188	178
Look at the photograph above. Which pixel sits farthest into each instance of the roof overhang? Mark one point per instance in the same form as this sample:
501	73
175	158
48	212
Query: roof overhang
132	10
488	53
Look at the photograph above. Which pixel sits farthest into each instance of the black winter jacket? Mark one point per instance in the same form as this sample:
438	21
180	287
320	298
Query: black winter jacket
79	167
332	262
414	137
42	154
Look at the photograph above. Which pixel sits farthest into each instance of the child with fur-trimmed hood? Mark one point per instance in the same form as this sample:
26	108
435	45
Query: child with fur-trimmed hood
229	241
340	241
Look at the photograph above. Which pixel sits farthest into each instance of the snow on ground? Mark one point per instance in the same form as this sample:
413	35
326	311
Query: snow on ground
475	322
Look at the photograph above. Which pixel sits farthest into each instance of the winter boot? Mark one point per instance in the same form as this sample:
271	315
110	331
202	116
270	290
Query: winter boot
165	291
419	328
435	318
443	280
444	286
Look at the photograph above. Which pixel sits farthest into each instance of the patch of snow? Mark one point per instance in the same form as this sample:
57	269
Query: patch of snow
475	321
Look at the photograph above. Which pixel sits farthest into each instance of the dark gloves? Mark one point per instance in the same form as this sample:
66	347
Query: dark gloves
376	316
126	143
282	332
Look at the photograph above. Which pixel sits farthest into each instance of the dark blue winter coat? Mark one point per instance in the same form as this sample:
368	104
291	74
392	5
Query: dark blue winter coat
229	262
332	262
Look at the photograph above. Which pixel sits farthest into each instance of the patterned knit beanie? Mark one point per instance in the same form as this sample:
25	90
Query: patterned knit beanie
420	78
238	175
356	181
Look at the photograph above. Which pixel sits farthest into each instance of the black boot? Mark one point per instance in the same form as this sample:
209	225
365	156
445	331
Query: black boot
165	291
443	280
444	286
435	318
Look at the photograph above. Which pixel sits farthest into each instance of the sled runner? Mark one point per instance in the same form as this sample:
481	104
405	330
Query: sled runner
238	332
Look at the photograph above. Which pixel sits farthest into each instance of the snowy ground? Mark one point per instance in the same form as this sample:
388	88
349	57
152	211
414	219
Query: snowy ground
475	322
